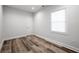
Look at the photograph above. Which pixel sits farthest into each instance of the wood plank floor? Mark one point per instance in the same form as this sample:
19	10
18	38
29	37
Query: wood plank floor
31	44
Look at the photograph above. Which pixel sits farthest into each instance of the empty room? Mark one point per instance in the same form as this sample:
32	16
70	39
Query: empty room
39	28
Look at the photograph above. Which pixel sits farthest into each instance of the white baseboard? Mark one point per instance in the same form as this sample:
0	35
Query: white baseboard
1	43
14	37
17	36
59	43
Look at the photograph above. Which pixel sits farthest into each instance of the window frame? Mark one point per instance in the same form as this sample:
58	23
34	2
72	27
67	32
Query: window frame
65	22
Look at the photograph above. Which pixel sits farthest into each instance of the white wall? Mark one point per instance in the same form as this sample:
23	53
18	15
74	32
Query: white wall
16	23
42	25
0	23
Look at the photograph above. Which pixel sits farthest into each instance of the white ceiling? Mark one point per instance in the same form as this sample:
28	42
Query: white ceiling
28	8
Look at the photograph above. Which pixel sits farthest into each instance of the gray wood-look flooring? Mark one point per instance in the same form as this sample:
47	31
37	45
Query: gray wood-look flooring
31	44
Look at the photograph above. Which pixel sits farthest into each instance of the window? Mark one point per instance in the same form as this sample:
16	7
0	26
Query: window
58	21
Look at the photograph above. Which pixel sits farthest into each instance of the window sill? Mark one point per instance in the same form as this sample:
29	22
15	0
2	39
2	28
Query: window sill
61	33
